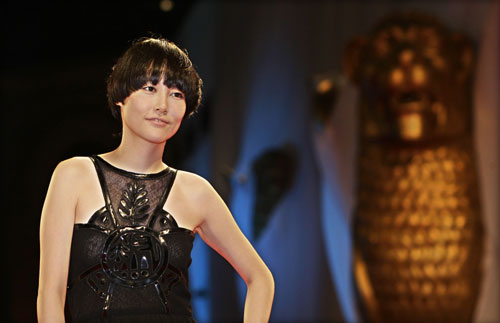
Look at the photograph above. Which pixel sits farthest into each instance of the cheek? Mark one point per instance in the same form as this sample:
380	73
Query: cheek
127	115
133	110
180	111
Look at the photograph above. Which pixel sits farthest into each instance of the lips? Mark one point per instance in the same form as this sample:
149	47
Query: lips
158	121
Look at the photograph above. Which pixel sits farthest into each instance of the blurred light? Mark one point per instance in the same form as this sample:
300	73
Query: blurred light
397	76
166	5
418	74
324	86
406	56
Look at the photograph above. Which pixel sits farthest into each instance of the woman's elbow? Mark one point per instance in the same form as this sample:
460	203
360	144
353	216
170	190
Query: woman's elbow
264	279
270	280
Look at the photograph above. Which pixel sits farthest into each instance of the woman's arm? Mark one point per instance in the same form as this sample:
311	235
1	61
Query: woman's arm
56	231
219	230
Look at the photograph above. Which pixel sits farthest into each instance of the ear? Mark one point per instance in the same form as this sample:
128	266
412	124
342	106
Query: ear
116	111
350	59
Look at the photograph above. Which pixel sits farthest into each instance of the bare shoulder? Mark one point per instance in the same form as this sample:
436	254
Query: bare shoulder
68	180
189	199
192	181
74	165
72	170
194	186
198	191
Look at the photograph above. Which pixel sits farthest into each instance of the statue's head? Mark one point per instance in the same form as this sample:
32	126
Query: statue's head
414	77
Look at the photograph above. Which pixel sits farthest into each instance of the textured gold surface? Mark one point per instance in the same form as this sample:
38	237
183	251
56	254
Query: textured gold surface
418	232
417	223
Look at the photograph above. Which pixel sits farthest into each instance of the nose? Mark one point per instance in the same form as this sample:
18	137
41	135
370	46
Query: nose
161	107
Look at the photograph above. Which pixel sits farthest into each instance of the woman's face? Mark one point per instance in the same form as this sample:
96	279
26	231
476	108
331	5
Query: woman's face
153	113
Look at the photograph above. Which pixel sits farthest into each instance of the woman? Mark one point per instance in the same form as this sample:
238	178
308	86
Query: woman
128	261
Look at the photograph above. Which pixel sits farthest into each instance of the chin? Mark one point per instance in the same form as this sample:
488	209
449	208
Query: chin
159	138
158	141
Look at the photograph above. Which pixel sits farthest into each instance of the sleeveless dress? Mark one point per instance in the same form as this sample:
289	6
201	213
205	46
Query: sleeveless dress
130	262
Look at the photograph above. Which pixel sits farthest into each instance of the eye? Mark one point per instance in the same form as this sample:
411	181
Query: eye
149	88
178	94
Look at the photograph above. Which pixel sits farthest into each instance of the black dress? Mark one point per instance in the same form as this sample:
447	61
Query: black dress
130	262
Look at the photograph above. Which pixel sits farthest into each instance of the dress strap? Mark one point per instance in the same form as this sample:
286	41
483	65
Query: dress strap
172	174
104	187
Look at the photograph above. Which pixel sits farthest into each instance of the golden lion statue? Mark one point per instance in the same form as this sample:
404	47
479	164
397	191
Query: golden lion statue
418	234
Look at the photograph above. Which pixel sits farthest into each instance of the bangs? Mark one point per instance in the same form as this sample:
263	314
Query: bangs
153	71
153	60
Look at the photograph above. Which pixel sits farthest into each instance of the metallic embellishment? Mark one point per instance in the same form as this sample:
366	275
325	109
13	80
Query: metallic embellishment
107	302
162	297
134	256
134	202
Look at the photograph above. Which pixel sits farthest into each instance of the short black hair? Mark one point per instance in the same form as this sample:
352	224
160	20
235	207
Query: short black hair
150	59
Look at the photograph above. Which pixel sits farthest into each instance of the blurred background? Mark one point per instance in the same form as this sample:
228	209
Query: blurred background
283	161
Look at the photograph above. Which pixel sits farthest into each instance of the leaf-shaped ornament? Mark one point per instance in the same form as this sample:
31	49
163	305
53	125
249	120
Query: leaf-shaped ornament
134	202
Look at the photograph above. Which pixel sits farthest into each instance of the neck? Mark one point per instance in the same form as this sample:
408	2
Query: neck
137	155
